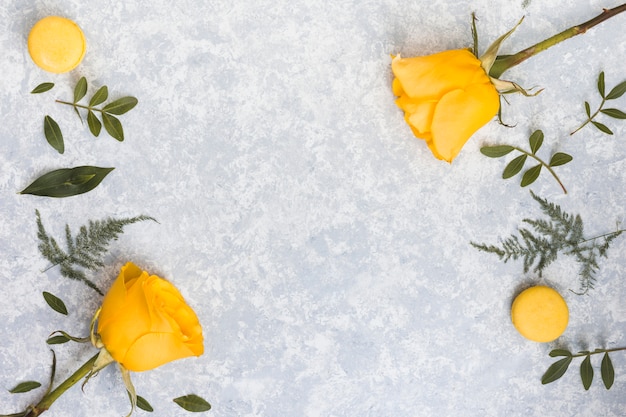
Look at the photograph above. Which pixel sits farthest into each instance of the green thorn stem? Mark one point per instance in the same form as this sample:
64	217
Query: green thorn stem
53	395
504	62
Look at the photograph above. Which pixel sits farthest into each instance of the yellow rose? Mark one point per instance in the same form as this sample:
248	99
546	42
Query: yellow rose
144	322
446	97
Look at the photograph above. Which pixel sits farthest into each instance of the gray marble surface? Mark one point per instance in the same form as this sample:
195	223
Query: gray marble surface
325	250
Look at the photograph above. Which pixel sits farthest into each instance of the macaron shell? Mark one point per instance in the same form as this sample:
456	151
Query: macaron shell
540	314
56	44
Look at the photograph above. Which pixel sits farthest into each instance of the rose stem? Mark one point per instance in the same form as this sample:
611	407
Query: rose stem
504	62
53	395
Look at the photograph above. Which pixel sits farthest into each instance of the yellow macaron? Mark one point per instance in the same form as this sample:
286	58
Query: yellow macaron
540	314
56	44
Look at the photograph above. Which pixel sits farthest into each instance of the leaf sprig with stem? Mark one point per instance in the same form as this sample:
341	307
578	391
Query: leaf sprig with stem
558	368
616	92
108	113
561	233
515	166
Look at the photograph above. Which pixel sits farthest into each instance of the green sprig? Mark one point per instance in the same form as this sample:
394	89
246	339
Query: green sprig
560	367
85	251
616	92
562	232
515	166
108	113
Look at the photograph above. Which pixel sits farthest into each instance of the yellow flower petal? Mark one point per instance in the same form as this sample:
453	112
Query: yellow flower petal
430	76
459	115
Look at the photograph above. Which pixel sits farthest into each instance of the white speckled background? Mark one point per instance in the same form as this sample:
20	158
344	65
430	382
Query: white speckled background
325	250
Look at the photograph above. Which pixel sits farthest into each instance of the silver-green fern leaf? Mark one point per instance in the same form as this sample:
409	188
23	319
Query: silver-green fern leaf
539	244
86	251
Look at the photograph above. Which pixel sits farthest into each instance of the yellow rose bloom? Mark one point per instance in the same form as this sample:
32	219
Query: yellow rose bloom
144	322
446	97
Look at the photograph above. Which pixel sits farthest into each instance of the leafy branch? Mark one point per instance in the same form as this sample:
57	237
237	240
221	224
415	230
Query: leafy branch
515	166
558	368
107	112
540	245
616	92
85	251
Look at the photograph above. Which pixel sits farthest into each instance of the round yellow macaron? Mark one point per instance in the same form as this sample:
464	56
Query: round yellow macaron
540	314
56	44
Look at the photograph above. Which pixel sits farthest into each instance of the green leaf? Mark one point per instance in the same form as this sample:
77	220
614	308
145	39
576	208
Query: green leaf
121	105
514	166
617	91
193	403
535	140
67	182
601	84
24	387
559	158
57	340
615	113
100	96
113	126
560	352
588	109
144	404
80	90
55	303
556	370
496	151
53	134
586	372
531	175
94	124
42	88
603	128
608	373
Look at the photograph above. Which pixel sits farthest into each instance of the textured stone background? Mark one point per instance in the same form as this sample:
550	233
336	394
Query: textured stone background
323	247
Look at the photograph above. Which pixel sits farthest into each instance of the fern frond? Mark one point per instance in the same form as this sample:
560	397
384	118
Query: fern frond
86	251
561	233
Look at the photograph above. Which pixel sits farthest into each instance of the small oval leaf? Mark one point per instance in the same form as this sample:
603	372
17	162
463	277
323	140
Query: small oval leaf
24	387
556	370
144	404
113	126
55	303
535	140
80	90
514	166
617	91
193	403
53	134
586	372
42	88
614	113
100	96
496	151
607	371
531	175
67	182
560	352
588	109
121	105
94	124
57	340
601	84
602	128
559	158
